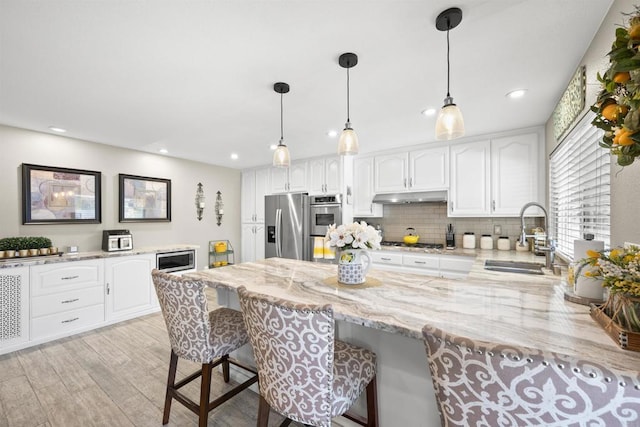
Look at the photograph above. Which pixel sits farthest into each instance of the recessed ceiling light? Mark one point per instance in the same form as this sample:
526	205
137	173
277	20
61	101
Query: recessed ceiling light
273	147
332	134
57	129
428	112
518	93
163	151
234	156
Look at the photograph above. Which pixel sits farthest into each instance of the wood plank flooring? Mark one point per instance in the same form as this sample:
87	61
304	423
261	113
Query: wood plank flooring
112	376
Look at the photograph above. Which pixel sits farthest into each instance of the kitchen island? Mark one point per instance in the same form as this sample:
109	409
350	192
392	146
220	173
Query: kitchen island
388	314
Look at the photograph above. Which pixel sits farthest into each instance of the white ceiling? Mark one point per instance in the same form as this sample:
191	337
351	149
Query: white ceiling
196	77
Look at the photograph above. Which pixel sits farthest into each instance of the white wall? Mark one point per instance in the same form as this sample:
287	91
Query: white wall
21	146
625	196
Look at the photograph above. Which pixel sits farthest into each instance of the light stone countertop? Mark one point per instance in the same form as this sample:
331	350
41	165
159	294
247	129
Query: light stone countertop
83	256
502	307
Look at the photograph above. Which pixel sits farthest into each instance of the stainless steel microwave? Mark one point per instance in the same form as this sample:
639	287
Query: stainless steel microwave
170	262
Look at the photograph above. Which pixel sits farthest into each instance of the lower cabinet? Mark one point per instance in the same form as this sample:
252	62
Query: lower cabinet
447	266
252	242
14	307
128	286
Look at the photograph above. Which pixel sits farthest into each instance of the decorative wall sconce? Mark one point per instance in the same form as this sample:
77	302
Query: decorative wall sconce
199	201
219	208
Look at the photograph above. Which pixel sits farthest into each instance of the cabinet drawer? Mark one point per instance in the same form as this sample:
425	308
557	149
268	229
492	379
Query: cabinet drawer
47	279
64	301
421	261
68	321
456	263
382	257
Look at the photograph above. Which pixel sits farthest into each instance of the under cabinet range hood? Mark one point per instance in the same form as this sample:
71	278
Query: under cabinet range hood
413	197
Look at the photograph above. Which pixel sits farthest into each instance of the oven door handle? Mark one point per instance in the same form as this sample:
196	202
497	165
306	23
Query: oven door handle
279	232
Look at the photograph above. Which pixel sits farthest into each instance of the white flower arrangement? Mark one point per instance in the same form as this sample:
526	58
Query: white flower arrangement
353	236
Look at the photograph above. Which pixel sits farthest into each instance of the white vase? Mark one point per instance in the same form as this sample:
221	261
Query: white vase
353	265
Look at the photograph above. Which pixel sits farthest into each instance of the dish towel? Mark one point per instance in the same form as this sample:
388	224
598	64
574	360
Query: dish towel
329	251
318	247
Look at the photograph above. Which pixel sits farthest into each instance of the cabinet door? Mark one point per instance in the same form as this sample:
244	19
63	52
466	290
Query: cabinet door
429	169
470	175
259	239
279	180
332	173
129	288
298	177
363	189
14	306
514	173
248	196
391	172
262	189
316	176
248	251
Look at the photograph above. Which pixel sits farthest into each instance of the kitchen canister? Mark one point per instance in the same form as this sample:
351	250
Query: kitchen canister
486	242
469	240
503	243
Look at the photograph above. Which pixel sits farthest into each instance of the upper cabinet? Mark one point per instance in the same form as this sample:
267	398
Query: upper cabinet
417	170
289	180
363	172
324	175
255	185
495	177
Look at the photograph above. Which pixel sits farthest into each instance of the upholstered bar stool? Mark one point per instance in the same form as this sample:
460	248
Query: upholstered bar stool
200	336
305	374
482	383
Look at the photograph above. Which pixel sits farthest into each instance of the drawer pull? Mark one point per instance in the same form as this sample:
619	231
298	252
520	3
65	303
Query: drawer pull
419	262
385	259
70	320
68	301
69	277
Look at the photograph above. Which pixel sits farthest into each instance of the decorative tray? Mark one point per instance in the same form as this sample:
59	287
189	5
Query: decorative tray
627	340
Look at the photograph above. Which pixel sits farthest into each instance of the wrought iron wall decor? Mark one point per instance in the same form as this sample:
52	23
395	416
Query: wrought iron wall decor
219	208
199	201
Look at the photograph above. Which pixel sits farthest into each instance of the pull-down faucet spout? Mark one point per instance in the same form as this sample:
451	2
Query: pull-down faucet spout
550	247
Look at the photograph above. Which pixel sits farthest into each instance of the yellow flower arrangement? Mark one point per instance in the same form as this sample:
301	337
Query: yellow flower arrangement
620	273
618	104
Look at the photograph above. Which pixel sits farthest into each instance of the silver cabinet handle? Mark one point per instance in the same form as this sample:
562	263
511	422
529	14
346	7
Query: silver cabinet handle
405	183
108	290
70	320
385	259
419	262
69	301
493	205
410	182
69	277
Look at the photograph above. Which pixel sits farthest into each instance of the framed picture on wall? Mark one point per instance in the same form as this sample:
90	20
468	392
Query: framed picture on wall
144	199
60	195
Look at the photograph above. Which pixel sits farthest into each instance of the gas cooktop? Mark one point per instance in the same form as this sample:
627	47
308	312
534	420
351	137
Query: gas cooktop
416	245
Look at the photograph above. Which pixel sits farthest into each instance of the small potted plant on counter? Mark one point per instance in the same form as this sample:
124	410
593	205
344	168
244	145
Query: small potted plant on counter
43	244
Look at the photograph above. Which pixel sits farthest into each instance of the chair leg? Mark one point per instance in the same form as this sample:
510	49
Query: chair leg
225	367
372	403
205	388
171	381
263	413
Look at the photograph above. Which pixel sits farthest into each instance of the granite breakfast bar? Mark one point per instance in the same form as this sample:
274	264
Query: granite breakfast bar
388	313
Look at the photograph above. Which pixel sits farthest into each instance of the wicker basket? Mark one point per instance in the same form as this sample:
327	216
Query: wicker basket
627	340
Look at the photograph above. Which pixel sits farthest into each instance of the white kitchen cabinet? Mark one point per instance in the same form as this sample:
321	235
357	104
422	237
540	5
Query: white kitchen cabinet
128	286
14	307
455	266
495	177
253	240
363	206
416	170
66	298
448	266
324	175
255	185
289	180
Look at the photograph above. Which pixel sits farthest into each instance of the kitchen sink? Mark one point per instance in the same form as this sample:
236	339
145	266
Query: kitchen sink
513	266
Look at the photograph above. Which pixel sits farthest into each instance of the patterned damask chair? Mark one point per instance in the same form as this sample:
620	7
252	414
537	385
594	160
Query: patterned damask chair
200	336
485	384
305	374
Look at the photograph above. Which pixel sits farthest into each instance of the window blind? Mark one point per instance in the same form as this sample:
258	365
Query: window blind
579	187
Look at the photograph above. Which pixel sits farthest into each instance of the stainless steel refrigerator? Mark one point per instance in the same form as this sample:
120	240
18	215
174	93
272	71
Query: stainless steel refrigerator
287	226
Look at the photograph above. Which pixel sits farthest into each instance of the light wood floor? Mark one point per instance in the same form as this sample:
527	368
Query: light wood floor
112	376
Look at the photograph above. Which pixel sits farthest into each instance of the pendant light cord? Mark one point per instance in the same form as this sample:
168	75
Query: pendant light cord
348	119
448	68
281	120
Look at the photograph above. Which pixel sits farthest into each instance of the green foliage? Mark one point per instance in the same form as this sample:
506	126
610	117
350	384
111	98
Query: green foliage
21	243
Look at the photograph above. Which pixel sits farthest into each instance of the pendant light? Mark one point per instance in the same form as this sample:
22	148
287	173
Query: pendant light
281	157
449	124
348	143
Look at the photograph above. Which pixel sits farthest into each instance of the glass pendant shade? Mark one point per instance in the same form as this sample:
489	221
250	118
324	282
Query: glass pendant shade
449	124
348	143
281	157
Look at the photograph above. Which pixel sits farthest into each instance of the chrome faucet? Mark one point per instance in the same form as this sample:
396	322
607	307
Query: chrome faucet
549	249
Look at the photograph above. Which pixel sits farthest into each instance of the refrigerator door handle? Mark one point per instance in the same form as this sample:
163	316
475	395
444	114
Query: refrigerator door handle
278	232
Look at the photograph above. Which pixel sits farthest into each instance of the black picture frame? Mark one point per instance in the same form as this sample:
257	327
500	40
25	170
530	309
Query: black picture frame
144	199
54	195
